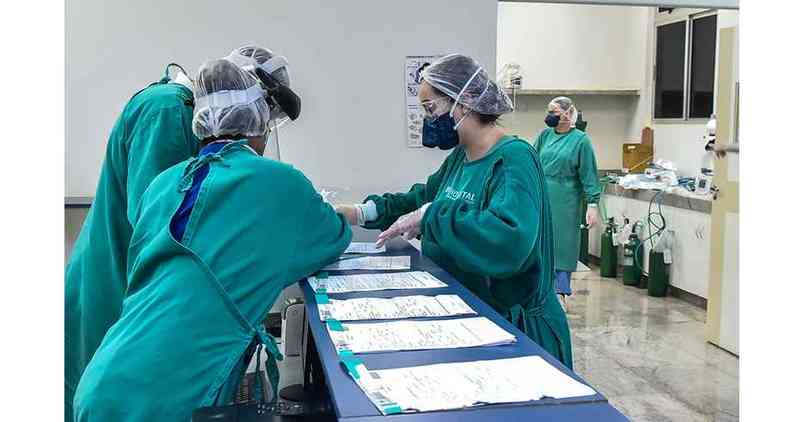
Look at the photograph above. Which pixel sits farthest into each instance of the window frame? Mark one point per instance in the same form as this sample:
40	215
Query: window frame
689	19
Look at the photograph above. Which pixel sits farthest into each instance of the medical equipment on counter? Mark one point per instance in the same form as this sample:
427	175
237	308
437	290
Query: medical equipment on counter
510	79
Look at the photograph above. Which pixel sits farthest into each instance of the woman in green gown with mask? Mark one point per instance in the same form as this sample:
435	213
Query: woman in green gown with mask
569	164
484	214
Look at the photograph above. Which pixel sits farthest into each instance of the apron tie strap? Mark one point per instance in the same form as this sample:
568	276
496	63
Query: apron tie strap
517	315
196	163
266	342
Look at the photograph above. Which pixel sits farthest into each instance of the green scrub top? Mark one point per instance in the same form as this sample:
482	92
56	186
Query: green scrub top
571	170
194	308
153	132
490	226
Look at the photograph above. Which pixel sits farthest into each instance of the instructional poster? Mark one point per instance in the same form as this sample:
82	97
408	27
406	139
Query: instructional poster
413	68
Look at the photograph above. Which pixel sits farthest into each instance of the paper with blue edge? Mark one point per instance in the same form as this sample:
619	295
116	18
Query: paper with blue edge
321	299
375	263
399	307
378	281
364	248
467	384
402	335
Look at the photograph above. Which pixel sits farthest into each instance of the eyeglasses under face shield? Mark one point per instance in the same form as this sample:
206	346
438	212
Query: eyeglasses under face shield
434	108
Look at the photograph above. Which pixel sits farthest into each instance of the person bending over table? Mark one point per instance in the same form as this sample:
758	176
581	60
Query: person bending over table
215	240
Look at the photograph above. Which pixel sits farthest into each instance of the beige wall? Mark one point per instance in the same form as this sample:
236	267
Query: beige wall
607	115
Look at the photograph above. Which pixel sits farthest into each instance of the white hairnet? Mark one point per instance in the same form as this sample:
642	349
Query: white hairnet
229	102
465	81
249	57
566	105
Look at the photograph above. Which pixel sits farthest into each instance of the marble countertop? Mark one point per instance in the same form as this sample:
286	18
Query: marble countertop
699	204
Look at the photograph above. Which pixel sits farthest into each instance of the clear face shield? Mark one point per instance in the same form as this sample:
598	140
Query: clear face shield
284	104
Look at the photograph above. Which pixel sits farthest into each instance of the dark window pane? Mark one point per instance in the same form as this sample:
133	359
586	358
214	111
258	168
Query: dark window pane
670	61
703	66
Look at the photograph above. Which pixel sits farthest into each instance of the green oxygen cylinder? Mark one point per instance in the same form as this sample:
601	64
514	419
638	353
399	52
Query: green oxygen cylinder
658	279
632	259
608	251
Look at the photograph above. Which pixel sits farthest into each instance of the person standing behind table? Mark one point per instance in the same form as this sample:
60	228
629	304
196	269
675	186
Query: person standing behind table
484	215
199	292
571	170
153	132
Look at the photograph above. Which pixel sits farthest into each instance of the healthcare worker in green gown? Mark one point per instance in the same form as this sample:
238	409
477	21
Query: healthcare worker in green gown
568	161
152	133
484	215
215	240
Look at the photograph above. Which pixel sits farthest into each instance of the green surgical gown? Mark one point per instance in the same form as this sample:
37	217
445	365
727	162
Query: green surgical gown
153	132
490	226
571	171
193	308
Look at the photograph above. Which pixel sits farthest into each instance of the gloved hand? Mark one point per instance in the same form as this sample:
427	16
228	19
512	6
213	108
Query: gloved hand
350	212
408	225
592	216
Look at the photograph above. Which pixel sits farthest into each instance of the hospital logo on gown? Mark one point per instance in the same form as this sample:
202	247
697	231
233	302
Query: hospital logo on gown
455	194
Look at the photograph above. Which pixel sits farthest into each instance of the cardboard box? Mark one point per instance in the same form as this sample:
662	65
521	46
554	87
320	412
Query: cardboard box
636	157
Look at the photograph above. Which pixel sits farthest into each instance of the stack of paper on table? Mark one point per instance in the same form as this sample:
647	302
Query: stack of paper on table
371	308
419	335
371	282
364	247
447	386
370	263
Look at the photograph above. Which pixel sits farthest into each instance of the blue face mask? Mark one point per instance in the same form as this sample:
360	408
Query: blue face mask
440	132
552	120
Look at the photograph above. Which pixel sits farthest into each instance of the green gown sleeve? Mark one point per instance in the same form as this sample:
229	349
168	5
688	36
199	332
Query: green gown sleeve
588	172
325	234
390	206
539	141
155	146
473	238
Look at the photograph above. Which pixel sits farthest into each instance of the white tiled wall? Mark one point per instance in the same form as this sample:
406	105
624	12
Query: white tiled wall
691	255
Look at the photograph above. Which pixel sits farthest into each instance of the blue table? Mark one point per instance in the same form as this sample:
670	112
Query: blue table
351	404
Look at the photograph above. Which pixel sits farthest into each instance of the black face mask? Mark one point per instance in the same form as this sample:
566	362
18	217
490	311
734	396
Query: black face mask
440	133
552	120
280	96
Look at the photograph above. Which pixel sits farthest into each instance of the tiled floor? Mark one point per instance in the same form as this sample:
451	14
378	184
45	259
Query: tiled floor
648	355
